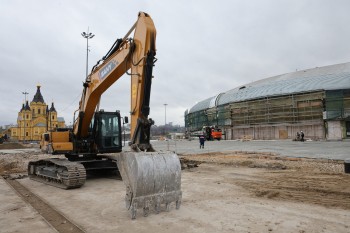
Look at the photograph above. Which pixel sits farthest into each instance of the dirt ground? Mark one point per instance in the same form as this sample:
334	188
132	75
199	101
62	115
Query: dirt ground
321	182
222	192
18	162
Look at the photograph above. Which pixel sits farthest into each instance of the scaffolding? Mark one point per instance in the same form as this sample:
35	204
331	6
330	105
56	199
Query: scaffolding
290	109
276	117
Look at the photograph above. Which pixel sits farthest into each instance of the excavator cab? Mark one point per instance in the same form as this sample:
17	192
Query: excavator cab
107	128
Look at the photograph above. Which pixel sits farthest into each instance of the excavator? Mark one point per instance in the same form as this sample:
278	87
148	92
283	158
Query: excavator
95	141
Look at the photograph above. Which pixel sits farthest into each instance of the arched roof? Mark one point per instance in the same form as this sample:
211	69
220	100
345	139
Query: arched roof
205	104
320	78
331	77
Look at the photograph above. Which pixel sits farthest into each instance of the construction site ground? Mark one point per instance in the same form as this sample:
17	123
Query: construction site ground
230	186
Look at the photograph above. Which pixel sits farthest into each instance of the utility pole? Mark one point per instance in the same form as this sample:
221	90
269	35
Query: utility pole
165	119
25	93
87	36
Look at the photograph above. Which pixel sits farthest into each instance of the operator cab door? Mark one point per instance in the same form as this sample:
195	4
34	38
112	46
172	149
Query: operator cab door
108	132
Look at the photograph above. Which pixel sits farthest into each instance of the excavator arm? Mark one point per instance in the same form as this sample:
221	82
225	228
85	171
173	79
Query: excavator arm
151	178
138	55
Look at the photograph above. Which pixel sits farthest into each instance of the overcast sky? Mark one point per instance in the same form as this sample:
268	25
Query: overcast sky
204	47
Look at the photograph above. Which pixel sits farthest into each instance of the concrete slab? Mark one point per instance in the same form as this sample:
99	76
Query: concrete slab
337	150
16	215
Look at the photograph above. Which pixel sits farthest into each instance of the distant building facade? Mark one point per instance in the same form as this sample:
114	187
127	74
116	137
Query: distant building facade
35	118
315	101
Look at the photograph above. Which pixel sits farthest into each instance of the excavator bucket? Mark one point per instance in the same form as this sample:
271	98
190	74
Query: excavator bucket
151	179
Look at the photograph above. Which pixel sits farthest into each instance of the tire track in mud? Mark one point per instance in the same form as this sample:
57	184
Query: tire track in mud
52	216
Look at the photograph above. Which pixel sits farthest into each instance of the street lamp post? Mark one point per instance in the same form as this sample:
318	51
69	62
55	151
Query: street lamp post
87	36
25	93
165	118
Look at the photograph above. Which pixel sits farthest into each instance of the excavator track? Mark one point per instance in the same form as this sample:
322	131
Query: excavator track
60	173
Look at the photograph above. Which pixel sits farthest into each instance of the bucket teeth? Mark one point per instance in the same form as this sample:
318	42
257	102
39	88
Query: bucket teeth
147	208
151	179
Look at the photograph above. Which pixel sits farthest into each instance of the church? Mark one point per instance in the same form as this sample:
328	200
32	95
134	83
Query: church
36	118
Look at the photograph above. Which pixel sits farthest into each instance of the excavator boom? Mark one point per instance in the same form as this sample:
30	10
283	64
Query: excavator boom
137	54
151	178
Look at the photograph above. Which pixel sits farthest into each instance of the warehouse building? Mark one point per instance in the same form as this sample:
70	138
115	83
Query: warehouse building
315	101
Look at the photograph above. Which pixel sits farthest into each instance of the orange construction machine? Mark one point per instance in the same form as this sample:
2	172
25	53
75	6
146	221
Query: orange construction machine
151	178
212	133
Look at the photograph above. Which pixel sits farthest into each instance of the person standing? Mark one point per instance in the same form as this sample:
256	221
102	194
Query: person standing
302	136
201	141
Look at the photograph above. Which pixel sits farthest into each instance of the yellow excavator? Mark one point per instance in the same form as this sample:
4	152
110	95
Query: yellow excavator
95	142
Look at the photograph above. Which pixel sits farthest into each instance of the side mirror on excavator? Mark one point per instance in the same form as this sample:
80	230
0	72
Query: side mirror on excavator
126	120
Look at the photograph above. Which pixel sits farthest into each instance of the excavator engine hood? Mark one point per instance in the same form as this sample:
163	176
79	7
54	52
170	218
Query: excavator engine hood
151	179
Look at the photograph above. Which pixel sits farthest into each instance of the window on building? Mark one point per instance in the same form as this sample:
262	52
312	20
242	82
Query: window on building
27	124
27	134
27	116
53	117
33	110
39	111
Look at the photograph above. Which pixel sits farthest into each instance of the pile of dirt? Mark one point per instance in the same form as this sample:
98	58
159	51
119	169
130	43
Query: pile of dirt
188	163
17	163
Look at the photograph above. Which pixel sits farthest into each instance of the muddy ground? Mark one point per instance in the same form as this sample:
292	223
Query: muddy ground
227	192
321	182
